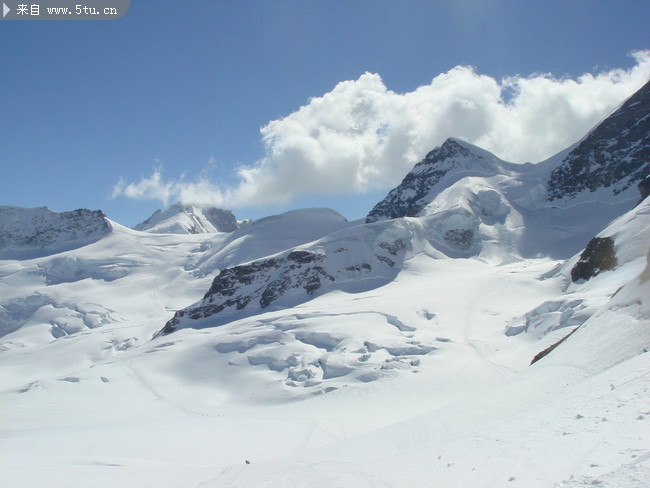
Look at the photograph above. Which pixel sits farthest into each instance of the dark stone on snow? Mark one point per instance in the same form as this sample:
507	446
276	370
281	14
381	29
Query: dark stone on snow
599	255
302	257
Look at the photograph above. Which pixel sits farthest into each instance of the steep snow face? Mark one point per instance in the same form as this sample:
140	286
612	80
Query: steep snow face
31	232
614	155
189	219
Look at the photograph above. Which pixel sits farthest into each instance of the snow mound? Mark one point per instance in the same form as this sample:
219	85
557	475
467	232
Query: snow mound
49	317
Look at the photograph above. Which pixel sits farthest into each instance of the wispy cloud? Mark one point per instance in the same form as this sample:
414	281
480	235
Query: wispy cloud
362	136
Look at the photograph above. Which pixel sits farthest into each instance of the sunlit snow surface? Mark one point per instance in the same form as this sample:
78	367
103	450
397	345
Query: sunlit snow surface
414	383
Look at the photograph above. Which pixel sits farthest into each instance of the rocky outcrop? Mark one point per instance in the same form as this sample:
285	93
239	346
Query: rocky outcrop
614	155
599	255
355	259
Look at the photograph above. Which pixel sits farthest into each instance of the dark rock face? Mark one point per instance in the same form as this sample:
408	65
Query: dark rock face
615	154
265	280
408	198
353	261
599	255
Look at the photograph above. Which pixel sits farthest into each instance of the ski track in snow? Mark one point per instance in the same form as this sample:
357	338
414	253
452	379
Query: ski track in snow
483	293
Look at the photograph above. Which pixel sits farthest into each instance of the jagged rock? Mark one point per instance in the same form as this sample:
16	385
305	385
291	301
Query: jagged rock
371	256
599	255
615	154
259	281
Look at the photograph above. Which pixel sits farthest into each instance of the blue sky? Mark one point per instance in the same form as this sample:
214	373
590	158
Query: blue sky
168	102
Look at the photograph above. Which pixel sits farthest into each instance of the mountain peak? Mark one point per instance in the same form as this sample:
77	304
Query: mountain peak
613	155
189	219
452	160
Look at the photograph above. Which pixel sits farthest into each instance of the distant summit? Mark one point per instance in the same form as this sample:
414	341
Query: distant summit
189	219
31	232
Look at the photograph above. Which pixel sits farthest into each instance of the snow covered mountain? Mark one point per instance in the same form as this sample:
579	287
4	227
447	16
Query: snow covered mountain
40	231
460	201
550	208
189	219
614	155
305	350
443	166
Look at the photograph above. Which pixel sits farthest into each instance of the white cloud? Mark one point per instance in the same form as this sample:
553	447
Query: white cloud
148	188
154	187
362	136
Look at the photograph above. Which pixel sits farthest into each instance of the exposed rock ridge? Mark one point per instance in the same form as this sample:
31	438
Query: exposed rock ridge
369	254
615	154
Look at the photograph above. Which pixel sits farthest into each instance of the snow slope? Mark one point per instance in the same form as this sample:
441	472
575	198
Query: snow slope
127	275
190	408
302	350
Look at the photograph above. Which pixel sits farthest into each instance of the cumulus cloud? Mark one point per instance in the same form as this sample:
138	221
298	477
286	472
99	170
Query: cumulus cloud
362	136
154	187
148	188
